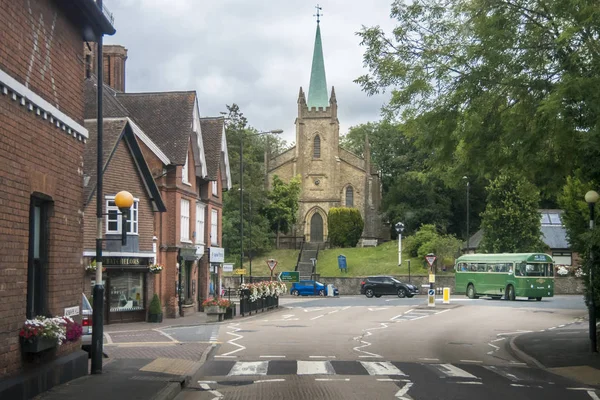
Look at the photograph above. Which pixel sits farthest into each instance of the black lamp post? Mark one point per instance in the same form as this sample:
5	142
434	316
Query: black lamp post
468	185
591	198
274	132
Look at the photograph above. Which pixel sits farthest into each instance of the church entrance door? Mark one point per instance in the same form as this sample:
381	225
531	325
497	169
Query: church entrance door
316	228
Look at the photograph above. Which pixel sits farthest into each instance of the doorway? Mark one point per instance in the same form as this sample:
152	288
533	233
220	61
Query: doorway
316	228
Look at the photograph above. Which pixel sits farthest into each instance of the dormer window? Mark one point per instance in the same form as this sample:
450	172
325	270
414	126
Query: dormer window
184	172
317	147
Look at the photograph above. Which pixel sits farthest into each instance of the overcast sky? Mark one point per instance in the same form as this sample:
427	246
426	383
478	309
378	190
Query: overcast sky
255	53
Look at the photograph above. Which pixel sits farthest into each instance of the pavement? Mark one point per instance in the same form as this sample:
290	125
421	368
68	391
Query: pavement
563	350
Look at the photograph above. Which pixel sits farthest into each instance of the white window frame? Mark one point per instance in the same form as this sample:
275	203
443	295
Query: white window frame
215	188
185	178
214	227
133	216
184	230
200	218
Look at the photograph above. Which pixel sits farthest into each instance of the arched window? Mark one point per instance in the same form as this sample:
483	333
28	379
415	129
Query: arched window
349	197
317	147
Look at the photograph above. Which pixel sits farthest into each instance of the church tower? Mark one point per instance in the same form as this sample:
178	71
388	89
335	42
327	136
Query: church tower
330	176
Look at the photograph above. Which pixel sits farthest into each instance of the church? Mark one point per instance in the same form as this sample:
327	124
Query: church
331	176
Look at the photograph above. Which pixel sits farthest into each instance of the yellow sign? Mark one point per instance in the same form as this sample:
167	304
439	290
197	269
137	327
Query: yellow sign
446	295
431	301
239	271
431	278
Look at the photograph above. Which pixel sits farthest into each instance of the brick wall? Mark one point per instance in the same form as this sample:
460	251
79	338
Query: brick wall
38	157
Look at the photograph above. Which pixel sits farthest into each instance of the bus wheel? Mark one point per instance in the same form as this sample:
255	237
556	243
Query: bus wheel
471	291
510	293
538	299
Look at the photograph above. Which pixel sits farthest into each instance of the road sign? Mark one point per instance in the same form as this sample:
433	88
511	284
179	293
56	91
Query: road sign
430	260
431	278
239	271
289	276
272	263
431	298
227	267
431	292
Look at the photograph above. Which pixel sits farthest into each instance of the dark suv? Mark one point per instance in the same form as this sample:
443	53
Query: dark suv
380	285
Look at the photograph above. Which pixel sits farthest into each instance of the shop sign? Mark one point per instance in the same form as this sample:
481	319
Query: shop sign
227	267
124	261
217	255
71	311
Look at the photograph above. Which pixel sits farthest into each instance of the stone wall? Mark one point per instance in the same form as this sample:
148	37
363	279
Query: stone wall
350	286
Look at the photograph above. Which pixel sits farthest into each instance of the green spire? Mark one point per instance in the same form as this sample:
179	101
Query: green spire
317	91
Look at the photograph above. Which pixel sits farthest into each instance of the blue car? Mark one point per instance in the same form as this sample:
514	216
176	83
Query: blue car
309	288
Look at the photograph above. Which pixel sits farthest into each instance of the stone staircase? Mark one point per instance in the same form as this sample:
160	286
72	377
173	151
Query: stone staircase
305	267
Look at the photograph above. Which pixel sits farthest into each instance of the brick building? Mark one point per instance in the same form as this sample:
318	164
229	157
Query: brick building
330	175
41	155
128	282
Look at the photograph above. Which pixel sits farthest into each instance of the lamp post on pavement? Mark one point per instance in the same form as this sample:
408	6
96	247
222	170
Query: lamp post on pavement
399	228
274	132
468	185
591	198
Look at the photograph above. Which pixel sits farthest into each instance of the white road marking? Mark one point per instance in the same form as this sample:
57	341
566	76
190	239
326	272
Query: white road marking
216	393
365	343
317	317
454	372
587	389
593	395
471	361
392	380
269	380
552	328
517	363
512	333
429	359
378	308
503	373
108	338
272	356
441	312
225	356
313	309
400	394
518	385
249	368
328	379
232	341
468	383
321	356
314	368
204	386
208	382
381	368
498	340
288	316
494	346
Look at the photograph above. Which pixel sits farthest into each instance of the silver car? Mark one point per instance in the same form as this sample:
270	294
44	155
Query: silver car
86	324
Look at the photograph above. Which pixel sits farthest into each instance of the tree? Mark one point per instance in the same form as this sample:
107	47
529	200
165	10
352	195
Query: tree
511	220
282	208
345	226
491	85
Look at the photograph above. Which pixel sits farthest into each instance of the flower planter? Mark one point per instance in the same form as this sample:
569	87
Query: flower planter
214	310
38	344
155	317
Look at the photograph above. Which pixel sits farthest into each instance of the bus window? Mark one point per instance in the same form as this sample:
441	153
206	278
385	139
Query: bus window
481	267
473	267
535	269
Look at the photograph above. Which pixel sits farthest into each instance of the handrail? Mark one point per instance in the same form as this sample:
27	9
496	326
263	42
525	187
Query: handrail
299	254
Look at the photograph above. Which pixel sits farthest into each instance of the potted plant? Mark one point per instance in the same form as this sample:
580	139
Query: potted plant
155	311
43	333
155	268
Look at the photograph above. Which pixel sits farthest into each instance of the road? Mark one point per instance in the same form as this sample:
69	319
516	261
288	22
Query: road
355	348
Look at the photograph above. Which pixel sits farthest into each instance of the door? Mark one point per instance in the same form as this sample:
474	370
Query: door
316	228
387	286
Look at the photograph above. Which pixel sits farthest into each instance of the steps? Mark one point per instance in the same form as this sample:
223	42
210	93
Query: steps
305	267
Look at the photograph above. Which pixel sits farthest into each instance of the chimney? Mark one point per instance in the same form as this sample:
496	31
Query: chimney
114	66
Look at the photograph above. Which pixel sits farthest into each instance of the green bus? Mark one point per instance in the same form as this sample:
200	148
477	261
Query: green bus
528	275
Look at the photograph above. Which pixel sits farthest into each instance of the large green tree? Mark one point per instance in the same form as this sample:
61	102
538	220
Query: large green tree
492	85
511	221
282	207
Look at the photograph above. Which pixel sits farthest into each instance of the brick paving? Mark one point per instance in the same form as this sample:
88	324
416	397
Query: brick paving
184	351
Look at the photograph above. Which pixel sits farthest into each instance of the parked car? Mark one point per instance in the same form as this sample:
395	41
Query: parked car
307	288
86	324
386	285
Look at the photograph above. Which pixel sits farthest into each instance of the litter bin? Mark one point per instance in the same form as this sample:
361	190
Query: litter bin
330	290
342	263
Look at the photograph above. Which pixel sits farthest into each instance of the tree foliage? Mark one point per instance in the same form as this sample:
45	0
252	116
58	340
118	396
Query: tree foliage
345	226
511	220
282	208
427	240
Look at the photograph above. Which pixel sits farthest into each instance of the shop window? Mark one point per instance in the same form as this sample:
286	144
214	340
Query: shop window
114	220
349	196
37	268
214	226
200	223
126	291
185	220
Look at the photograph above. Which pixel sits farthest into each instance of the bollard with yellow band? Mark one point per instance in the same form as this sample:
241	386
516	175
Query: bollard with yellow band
446	295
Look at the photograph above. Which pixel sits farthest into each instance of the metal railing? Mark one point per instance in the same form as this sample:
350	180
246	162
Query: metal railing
261	304
107	13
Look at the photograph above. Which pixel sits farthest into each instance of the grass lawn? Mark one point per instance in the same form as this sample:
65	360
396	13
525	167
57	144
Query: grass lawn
361	261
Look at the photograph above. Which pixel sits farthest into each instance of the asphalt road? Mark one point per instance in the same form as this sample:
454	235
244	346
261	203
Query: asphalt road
352	347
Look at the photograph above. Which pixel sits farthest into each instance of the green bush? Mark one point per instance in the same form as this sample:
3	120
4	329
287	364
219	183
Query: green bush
155	307
427	240
413	244
345	226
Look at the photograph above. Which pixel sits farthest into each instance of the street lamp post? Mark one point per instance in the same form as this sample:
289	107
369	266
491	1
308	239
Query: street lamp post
468	185
274	132
399	228
591	198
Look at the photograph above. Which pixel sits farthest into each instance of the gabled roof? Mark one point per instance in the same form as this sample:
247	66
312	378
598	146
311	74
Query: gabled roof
114	130
111	106
215	148
166	117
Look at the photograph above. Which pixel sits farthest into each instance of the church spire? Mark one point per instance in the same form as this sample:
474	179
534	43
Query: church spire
317	91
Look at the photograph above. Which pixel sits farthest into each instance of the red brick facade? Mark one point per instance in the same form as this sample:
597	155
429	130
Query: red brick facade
41	50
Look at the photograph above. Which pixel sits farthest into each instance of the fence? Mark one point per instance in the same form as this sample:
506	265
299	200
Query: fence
261	304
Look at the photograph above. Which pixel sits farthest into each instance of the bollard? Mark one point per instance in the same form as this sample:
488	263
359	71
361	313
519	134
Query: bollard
446	295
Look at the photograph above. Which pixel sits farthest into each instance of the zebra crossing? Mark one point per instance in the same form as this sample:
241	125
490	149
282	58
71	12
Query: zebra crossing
459	373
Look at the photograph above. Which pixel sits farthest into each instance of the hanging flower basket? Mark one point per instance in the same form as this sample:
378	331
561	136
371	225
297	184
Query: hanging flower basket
155	268
92	268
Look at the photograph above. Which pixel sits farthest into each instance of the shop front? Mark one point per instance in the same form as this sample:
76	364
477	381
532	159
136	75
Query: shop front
126	288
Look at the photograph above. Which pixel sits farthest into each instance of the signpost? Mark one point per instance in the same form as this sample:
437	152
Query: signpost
289	276
431	294
272	263
431	297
